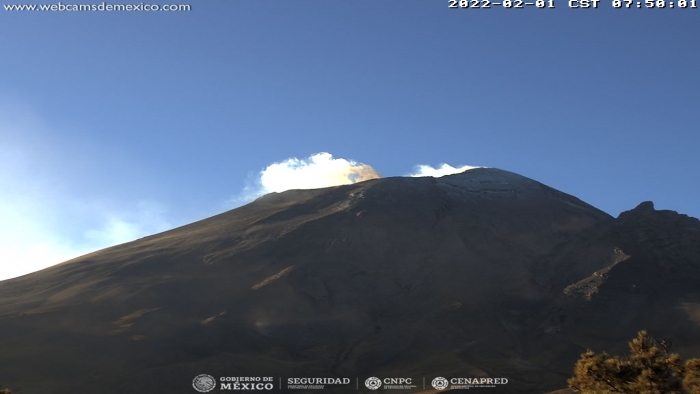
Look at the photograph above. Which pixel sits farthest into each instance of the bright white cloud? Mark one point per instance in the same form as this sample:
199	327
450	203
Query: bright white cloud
39	229
145	218
30	240
26	242
316	171
442	170
322	170
43	223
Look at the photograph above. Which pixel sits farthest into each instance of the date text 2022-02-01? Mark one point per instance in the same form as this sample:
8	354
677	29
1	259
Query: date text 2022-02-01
576	4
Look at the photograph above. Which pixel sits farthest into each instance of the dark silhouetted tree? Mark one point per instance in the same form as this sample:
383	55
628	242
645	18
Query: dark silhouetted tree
691	380
649	369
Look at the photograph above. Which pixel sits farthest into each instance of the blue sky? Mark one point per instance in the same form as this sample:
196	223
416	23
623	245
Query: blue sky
118	125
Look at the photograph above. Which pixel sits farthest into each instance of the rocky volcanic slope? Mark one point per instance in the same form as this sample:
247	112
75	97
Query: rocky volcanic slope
484	273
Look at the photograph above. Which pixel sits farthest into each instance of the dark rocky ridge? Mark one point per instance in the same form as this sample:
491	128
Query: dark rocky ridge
481	273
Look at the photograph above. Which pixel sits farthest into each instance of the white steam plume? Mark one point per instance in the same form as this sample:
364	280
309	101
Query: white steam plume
316	171
442	170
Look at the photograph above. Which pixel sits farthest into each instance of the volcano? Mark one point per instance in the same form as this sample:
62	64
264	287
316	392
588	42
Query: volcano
480	274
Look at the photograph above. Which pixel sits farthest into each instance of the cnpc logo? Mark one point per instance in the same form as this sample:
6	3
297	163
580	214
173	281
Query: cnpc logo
374	382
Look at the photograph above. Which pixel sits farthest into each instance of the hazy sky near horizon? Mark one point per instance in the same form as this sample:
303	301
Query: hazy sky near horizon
118	125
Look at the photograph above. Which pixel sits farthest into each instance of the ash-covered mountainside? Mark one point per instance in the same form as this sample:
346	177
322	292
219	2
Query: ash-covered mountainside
484	273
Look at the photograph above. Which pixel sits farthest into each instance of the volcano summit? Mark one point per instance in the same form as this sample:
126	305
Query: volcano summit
480	274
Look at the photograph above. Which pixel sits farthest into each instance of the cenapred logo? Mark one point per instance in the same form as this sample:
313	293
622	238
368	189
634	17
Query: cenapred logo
204	383
440	383
373	383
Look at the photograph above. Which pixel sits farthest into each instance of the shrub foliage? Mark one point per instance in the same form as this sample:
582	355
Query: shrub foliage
649	369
